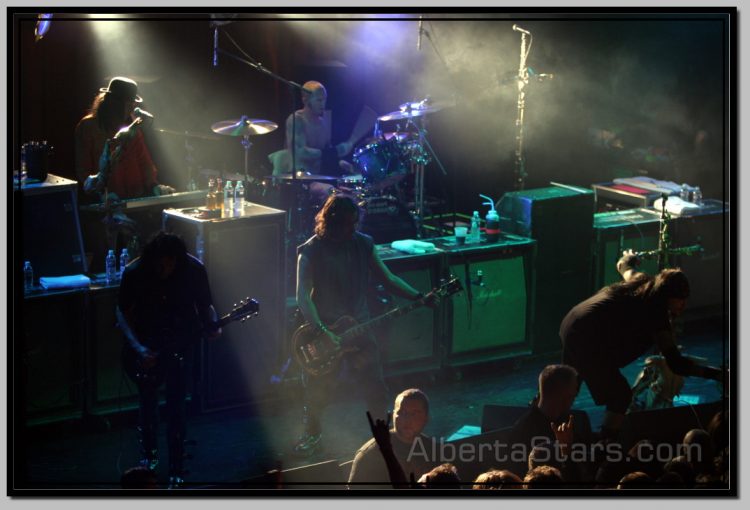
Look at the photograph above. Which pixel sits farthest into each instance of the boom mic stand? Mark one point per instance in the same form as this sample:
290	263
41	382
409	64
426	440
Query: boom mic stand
293	86
664	249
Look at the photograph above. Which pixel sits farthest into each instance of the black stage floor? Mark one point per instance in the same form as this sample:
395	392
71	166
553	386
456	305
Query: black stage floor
238	444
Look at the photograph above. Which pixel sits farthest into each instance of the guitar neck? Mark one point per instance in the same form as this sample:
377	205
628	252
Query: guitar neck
360	329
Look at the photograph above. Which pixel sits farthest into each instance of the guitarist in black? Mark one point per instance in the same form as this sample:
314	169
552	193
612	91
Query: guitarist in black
164	308
333	274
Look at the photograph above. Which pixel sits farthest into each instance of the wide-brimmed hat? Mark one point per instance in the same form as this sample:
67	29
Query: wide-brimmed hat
124	88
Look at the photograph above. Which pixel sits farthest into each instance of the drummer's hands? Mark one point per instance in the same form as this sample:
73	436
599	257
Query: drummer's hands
344	148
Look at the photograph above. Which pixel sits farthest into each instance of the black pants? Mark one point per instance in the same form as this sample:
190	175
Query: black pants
360	372
174	373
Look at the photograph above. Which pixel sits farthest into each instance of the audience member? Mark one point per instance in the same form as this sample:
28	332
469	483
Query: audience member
444	476
636	480
412	448
699	451
497	480
670	480
543	477
682	467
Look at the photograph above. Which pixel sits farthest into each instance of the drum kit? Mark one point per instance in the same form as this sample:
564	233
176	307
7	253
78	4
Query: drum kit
382	162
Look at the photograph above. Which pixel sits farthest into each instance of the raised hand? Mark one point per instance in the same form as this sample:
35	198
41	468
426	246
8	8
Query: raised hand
381	431
564	434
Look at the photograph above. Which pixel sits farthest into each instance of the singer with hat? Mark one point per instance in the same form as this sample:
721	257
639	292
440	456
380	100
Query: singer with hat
112	159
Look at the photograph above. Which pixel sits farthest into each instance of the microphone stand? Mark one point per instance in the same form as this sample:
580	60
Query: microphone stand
292	87
519	177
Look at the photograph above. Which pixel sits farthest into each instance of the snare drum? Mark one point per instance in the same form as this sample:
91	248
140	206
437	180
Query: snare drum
382	163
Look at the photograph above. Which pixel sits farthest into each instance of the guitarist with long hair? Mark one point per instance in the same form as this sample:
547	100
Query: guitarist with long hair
164	308
334	268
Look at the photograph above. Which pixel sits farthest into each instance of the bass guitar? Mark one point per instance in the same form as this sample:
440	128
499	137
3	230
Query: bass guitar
317	354
132	361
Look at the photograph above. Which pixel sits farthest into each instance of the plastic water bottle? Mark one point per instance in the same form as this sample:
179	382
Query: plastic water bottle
474	236
685	192
228	197
124	261
28	276
239	198
492	221
697	196
110	269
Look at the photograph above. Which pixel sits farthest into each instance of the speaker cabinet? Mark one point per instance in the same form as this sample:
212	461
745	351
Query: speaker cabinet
409	342
112	388
51	231
561	221
52	372
708	271
667	426
244	257
491	318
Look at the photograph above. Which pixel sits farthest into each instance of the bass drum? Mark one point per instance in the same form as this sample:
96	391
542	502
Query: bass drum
382	163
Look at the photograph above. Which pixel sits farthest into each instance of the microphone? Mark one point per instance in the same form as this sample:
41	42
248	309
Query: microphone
216	46
143	113
519	29
419	37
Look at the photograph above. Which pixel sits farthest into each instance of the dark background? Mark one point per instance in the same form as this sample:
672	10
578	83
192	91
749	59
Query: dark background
656	82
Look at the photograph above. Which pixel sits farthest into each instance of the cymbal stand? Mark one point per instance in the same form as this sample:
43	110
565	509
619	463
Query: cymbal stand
418	162
246	144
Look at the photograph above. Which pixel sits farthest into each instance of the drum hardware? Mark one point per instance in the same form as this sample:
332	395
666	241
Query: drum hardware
244	127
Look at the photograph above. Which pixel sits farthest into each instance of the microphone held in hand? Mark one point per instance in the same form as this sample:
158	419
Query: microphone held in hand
142	113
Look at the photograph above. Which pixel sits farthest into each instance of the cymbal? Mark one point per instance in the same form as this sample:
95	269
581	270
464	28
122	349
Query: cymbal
187	134
243	127
411	110
400	136
303	177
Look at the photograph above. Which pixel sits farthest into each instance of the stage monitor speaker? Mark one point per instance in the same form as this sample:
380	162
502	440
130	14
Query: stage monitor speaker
560	220
666	426
52	373
244	257
51	231
410	342
475	455
495	417
490	319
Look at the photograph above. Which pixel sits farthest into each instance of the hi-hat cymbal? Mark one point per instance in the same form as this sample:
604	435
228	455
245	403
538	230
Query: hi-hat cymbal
187	134
243	127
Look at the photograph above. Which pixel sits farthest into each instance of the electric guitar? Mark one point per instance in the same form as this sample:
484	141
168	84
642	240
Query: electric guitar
132	360
317	354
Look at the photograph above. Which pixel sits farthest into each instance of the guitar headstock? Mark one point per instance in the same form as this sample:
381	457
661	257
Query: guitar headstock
244	310
449	288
